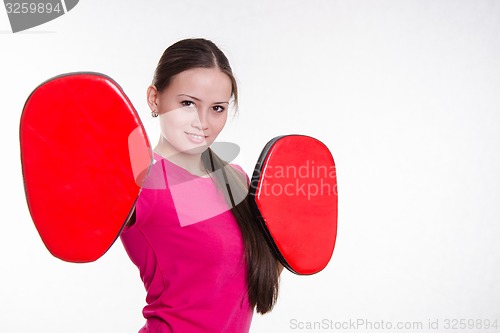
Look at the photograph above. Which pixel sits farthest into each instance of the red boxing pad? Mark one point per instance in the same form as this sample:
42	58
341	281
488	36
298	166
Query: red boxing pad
294	186
84	156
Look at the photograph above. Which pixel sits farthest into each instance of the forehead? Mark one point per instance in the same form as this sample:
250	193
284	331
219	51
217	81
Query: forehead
203	83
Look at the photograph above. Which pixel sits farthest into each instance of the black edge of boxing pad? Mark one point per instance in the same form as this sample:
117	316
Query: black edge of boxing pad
253	203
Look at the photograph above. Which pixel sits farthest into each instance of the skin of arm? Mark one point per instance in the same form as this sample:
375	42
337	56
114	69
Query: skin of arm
280	268
131	219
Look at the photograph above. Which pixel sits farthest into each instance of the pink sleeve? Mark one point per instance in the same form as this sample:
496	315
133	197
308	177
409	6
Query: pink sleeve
241	171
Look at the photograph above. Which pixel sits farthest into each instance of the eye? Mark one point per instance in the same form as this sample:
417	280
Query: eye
218	108
187	103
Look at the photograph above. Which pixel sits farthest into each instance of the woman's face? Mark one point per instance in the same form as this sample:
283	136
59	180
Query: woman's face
192	110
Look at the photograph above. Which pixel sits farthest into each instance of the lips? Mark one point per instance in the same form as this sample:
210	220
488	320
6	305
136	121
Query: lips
196	138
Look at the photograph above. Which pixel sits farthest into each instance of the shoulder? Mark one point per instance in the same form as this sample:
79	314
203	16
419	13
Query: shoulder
238	168
241	172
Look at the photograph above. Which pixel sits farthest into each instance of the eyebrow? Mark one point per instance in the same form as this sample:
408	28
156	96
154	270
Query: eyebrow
197	99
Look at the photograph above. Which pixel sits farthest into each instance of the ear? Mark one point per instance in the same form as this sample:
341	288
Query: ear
152	96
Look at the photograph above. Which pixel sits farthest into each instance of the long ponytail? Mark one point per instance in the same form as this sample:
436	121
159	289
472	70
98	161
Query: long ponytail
262	269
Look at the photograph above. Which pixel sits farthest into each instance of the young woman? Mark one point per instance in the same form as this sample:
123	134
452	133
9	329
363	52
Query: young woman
204	262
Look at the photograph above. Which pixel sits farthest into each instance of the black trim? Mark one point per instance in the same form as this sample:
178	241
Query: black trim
255	209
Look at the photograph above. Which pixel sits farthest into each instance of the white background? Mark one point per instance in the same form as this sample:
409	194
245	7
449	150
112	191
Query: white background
406	94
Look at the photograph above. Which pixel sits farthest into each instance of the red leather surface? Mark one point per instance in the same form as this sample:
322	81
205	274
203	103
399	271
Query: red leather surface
81	181
296	195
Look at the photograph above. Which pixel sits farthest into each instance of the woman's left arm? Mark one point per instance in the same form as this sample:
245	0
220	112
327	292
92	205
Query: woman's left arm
280	268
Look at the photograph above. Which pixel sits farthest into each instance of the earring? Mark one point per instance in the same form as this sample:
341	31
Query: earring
154	114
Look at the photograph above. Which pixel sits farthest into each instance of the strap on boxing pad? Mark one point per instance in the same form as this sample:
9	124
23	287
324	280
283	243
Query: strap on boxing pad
84	156
294	189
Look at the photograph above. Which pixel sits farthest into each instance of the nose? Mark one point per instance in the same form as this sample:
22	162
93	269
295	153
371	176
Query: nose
200	120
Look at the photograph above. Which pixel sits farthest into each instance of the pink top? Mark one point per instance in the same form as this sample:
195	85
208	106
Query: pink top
190	254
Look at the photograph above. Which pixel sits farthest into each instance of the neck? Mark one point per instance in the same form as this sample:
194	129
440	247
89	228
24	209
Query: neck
191	162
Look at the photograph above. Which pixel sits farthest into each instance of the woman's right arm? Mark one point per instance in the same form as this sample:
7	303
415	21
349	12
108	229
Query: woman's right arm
131	220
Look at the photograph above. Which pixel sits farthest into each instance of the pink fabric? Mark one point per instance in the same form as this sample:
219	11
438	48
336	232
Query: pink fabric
191	259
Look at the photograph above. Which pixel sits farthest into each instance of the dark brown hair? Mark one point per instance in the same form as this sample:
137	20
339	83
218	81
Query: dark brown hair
262	266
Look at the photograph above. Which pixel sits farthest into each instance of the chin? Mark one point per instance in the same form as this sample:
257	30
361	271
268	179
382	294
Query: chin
194	150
